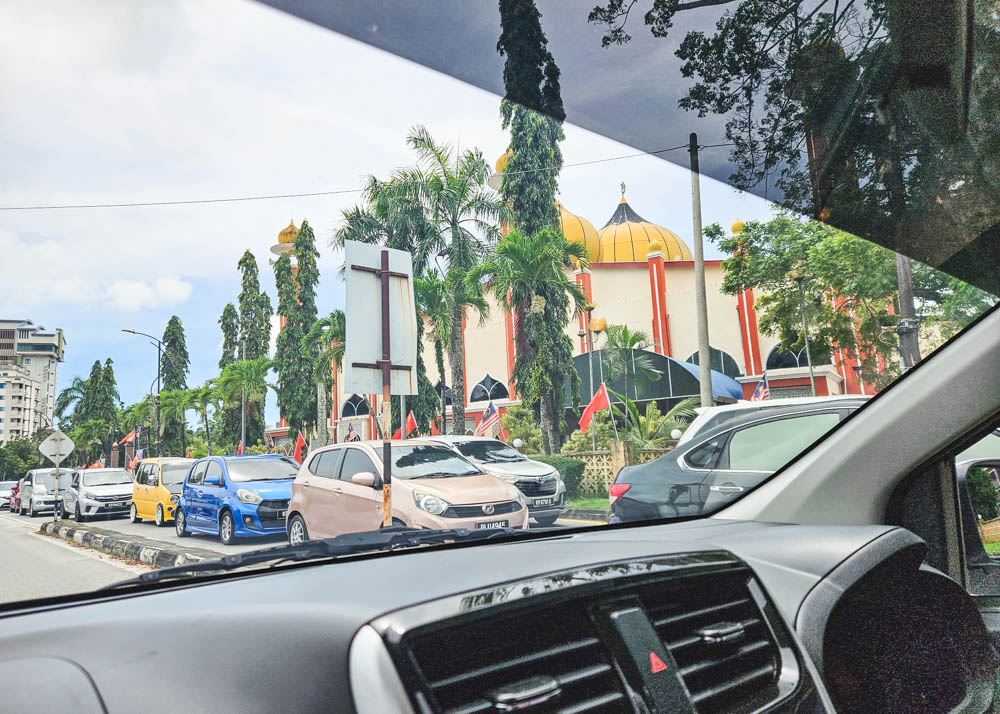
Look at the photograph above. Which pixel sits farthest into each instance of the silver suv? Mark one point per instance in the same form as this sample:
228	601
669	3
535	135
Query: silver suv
541	484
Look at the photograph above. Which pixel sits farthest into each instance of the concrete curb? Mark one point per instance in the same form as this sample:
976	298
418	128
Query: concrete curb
585	514
141	550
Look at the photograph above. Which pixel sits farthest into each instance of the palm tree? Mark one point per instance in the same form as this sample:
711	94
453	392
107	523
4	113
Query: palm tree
325	340
175	404
652	430
520	273
622	344
70	398
202	398
247	377
90	436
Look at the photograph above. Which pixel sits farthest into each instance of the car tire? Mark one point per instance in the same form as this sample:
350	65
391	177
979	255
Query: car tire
133	514
180	523
161	519
78	514
297	531
546	521
227	528
31	509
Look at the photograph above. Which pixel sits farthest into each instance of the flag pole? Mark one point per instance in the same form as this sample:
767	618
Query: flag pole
611	409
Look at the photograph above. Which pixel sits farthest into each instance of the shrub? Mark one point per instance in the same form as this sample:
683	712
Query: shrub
603	432
520	423
571	471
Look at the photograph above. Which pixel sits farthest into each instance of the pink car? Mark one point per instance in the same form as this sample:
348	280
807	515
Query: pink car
339	490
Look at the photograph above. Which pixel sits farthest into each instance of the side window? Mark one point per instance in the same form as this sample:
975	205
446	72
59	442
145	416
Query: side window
706	455
140	477
313	465
329	463
214	469
154	476
978	472
355	462
770	445
198	475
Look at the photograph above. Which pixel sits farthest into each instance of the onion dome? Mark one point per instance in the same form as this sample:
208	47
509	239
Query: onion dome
288	234
626	238
502	161
580	230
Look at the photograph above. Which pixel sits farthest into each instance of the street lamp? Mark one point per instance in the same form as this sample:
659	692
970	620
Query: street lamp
798	276
159	361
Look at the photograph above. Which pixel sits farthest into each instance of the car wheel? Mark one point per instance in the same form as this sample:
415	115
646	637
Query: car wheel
297	532
227	528
133	514
546	521
78	514
180	523
160	520
31	508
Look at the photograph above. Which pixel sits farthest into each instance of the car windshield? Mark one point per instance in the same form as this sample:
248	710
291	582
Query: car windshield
489	451
48	481
429	461
613	213
106	478
6	486
261	469
173	474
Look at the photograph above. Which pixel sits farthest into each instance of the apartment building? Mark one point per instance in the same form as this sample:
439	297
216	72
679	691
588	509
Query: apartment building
29	372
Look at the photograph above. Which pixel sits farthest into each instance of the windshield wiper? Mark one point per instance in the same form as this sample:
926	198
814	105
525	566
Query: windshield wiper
393	538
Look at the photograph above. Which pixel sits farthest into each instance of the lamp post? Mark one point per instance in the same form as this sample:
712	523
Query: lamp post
159	361
798	277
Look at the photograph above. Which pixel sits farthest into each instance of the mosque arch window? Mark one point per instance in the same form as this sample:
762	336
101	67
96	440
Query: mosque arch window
779	358
720	361
488	389
355	406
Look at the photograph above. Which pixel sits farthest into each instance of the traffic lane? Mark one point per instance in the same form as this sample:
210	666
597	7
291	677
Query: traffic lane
34	566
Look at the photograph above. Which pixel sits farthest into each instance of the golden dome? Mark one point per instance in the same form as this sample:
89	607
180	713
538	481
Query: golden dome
627	238
579	229
502	161
288	234
737	228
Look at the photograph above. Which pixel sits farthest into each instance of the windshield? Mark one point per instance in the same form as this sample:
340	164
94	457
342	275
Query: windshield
429	462
182	210
489	451
106	478
48	481
264	469
6	486
173	474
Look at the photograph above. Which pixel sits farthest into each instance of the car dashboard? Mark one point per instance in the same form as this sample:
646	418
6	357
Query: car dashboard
699	616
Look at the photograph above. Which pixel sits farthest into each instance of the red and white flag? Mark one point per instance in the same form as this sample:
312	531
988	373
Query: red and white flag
599	402
490	417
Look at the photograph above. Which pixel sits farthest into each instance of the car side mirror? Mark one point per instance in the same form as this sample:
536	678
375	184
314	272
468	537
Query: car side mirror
977	492
212	480
365	478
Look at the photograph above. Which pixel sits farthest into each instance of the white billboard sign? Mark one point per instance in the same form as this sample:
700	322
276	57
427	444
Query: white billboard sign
364	310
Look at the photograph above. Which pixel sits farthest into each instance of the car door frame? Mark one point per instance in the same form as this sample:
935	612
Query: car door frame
354	499
322	494
193	494
214	497
73	493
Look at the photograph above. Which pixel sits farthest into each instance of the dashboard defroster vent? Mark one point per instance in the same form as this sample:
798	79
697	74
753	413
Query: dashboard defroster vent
478	666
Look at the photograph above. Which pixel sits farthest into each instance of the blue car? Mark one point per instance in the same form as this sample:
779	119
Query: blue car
236	496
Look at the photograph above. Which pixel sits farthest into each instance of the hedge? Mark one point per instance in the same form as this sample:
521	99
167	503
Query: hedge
571	471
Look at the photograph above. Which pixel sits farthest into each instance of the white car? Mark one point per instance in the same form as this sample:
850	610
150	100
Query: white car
711	417
40	491
97	492
540	484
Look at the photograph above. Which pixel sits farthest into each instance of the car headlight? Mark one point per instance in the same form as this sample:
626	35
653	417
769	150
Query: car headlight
248	496
88	494
430	503
175	498
519	497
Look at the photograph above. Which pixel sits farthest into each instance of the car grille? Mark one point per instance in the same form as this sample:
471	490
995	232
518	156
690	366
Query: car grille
478	512
267	512
108	499
531	487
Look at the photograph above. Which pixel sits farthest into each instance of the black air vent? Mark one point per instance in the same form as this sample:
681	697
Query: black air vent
738	671
462	664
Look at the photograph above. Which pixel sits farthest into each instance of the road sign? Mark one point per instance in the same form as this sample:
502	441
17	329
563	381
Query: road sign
56	447
363	355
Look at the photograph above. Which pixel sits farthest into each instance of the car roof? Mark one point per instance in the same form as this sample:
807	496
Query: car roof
165	459
767	415
778	402
454	438
377	443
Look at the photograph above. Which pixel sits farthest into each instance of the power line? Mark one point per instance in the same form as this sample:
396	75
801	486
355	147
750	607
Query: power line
272	197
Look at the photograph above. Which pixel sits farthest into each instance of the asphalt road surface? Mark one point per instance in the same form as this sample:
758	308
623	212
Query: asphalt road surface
34	566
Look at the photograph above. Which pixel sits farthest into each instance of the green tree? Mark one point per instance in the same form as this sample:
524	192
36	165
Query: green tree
89	439
599	435
245	377
983	493
652	430
230	324
253	338
17	457
627	357
326	341
294	373
69	400
175	363
202	398
527	276
521	423
431	294
175	404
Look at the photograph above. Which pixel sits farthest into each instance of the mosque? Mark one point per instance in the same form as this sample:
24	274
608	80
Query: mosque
640	275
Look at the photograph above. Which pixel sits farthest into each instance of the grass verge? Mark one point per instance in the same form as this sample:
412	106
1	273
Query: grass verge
596	503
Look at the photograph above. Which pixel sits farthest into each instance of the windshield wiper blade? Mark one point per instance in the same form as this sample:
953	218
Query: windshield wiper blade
392	538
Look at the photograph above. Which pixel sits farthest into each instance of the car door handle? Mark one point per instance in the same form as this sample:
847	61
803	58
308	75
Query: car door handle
726	489
339	491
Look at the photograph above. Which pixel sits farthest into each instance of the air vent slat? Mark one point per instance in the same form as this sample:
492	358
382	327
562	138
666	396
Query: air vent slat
741	653
516	662
582	674
595	704
479	705
714	609
733	683
682	643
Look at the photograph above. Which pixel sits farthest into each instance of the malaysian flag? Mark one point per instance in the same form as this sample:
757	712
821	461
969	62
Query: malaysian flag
761	392
490	417
351	434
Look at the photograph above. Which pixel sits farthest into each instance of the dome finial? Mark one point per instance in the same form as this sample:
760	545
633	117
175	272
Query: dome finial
623	193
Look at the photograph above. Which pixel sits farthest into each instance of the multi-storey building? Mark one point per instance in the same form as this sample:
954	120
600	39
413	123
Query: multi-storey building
29	365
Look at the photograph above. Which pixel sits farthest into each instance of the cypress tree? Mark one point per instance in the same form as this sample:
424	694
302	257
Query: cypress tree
174	366
230	324
254	336
295	393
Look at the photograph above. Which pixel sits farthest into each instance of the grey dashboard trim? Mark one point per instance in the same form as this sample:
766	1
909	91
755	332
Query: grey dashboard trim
375	684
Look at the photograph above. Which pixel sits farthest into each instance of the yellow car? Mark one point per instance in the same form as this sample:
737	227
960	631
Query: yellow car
157	489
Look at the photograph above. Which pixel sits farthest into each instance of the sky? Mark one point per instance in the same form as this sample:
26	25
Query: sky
119	102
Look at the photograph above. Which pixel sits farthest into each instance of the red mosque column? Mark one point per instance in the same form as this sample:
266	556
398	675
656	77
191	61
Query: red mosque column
749	337
658	299
582	277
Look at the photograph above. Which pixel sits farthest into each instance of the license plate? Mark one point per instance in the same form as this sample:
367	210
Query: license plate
491	524
281	514
542	502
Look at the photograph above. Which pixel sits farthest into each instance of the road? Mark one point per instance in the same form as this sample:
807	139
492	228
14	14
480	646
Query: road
33	565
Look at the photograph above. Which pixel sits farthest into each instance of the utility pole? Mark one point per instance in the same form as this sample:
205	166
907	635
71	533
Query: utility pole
908	327
805	332
243	403
700	299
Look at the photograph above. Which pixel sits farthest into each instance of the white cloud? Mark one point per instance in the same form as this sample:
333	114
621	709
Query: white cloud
132	295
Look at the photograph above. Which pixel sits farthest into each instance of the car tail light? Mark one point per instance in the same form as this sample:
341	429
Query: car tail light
617	491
